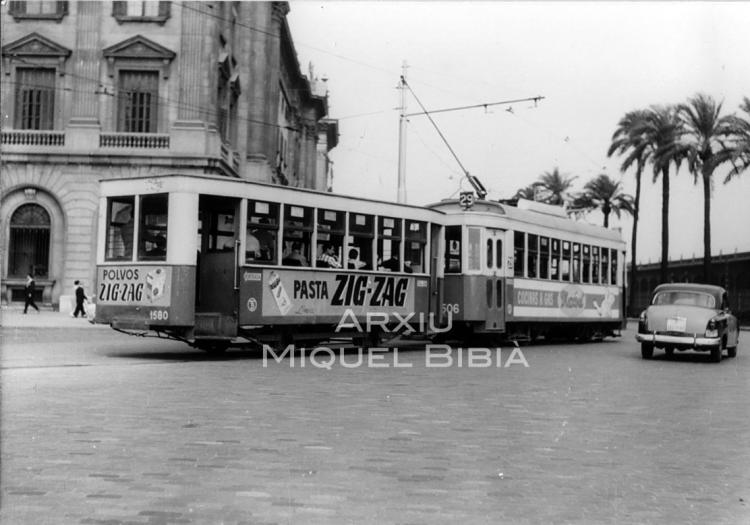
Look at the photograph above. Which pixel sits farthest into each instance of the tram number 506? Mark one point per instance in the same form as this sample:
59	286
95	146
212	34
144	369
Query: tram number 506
451	308
158	315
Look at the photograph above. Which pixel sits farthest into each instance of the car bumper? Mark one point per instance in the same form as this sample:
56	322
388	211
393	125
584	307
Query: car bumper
679	340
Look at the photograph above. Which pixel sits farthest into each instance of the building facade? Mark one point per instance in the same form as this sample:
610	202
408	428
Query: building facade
732	271
94	90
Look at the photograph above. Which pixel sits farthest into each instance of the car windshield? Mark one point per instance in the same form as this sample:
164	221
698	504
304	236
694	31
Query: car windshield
685	298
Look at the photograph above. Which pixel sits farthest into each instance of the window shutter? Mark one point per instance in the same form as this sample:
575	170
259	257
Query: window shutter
164	9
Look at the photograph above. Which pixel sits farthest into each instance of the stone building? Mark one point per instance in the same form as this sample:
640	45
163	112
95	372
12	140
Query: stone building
94	90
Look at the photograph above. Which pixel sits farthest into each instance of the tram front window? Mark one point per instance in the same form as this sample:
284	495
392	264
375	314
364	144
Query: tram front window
120	226
262	232
298	227
453	249
152	239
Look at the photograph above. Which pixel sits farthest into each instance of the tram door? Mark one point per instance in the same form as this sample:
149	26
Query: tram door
495	282
217	295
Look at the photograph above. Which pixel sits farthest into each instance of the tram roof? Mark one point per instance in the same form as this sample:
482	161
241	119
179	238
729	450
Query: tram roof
530	217
225	186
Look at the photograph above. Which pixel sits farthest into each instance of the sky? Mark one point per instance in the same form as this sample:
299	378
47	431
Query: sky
591	61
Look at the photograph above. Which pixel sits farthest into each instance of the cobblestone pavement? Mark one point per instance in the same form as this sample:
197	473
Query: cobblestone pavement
99	428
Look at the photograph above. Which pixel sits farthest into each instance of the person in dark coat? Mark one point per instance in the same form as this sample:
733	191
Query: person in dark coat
29	290
80	299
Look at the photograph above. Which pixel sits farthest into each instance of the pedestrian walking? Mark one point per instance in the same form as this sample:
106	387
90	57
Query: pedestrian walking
80	299
29	291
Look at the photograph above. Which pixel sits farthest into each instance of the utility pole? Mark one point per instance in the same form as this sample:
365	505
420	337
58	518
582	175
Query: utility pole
402	138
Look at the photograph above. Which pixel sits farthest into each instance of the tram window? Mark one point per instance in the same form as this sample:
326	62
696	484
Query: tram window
613	266
533	254
475	249
519	253
544	257
555	261
298	227
576	262
262	232
498	253
489	253
415	247
389	244
565	274
605	265
359	245
331	230
595	265
120	222
453	249
152	237
586	263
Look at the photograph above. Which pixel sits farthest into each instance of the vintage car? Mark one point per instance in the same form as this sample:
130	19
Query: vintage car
684	316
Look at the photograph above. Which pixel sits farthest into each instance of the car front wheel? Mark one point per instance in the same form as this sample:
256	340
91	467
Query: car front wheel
732	351
647	350
716	354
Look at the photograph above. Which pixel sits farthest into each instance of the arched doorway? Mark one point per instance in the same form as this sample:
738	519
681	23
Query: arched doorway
29	242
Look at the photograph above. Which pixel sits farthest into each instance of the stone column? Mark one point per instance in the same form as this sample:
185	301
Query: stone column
195	68
258	64
84	118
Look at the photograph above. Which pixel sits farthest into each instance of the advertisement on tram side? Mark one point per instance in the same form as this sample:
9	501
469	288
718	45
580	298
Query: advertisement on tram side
550	300
146	292
301	294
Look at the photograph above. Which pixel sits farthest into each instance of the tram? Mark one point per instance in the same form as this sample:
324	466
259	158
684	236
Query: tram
217	262
528	270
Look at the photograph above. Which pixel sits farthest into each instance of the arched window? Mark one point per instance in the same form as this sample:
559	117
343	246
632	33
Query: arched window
29	242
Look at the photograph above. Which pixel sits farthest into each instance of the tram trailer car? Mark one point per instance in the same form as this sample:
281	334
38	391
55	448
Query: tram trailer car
528	270
215	262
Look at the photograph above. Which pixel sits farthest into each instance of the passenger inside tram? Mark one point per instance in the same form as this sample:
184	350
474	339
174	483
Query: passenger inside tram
294	255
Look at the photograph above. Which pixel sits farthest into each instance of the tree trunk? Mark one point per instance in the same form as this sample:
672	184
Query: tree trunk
634	239
706	226
664	225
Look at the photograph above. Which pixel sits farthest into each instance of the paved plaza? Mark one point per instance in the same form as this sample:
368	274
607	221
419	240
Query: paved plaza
101	428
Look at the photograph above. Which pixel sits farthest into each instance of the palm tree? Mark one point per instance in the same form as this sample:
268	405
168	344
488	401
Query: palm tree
555	187
706	142
741	157
603	193
659	131
625	141
528	192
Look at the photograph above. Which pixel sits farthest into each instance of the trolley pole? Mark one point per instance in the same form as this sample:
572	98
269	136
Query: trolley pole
402	138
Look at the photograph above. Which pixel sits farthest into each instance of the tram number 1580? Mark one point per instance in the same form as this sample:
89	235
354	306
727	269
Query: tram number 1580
158	315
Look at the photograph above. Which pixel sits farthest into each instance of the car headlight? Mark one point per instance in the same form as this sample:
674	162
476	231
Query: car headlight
712	329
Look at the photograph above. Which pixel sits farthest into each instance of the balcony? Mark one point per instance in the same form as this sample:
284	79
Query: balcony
179	147
134	140
28	137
